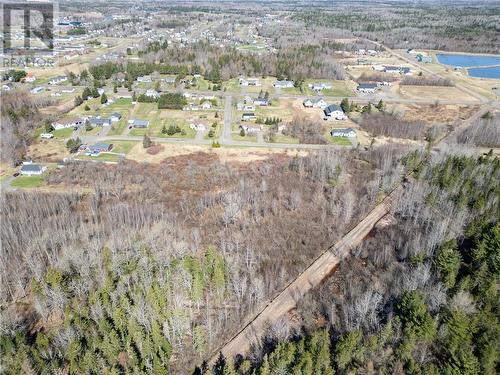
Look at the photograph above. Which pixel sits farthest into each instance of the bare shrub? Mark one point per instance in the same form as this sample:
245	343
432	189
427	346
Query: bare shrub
155	149
392	126
426	81
307	131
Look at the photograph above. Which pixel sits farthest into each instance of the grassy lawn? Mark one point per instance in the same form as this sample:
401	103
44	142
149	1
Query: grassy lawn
27	182
291	91
201	84
188	132
122	147
341	141
232	85
103	156
63	133
280	138
282	109
246	138
117	128
217	130
339	88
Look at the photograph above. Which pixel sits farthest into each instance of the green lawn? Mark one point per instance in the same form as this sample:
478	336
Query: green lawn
103	156
188	132
339	88
63	133
122	147
280	138
27	182
117	128
217	130
246	138
341	141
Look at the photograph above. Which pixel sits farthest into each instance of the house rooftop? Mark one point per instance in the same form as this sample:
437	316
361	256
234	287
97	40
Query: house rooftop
367	85
31	168
333	108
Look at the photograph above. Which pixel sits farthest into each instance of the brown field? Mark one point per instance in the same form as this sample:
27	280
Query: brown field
442	114
225	154
434	93
50	150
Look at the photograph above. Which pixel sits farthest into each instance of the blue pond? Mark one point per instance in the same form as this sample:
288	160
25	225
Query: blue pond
489	72
467	60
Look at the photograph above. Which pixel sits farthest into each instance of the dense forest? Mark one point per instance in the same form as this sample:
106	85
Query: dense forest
434	26
295	62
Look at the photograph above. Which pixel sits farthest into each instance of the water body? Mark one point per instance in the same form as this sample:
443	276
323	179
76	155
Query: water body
489	72
467	61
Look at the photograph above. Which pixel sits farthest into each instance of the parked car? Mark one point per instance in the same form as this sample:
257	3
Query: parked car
15	174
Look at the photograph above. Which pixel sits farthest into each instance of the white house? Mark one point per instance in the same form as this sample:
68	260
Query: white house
343	132
37	90
283	84
115	117
367	88
261	102
198	127
315	103
57	80
320	86
67	123
150	93
251	128
136	123
392	69
206	105
248	116
30	78
99	121
146	79
249	81
334	112
32	169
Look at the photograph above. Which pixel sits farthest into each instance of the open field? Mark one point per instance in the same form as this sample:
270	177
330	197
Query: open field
247	138
225	154
63	133
283	109
27	182
47	150
434	93
122	147
441	114
103	156
266	85
339	88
